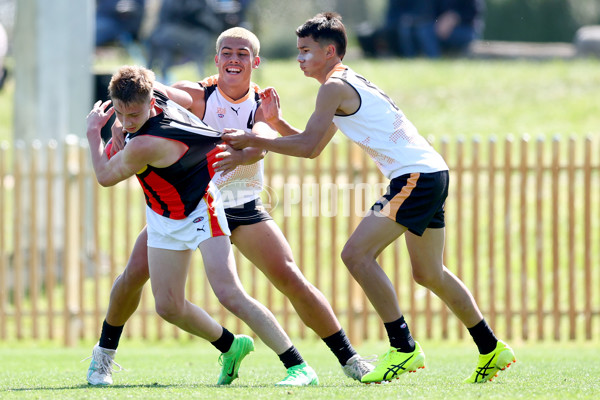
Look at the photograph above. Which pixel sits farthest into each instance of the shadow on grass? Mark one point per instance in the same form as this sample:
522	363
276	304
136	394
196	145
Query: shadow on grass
84	386
150	385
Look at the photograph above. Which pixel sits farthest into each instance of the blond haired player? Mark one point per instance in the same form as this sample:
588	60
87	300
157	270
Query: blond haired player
231	100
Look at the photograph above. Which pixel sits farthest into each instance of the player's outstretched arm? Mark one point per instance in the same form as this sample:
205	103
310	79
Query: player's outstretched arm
181	97
197	92
308	143
231	158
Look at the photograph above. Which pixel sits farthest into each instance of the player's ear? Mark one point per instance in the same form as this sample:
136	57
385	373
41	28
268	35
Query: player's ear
256	62
216	59
330	50
152	101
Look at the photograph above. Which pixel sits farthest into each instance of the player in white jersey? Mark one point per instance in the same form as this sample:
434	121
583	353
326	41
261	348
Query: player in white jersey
413	204
231	100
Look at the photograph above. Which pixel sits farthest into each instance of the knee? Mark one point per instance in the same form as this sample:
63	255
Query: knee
430	280
169	308
232	299
354	257
290	281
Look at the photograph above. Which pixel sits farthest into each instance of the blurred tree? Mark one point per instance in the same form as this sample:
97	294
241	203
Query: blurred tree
537	20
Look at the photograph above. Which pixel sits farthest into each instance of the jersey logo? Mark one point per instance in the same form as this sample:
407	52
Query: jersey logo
237	112
221	112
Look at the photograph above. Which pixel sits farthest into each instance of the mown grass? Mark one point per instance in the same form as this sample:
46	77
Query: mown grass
442	98
446	98
189	370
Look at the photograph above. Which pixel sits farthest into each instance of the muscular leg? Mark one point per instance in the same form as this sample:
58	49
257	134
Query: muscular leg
126	291
168	274
426	254
373	234
429	271
265	246
221	271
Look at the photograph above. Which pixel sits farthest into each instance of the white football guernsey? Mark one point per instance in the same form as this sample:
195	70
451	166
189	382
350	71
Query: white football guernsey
380	128
245	182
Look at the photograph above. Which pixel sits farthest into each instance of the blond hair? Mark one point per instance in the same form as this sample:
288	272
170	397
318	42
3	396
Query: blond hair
131	84
239	33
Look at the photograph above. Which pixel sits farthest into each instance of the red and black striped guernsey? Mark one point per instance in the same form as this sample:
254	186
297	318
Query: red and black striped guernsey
175	191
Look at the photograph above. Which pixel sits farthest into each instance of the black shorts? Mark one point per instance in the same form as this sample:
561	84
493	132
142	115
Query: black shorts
249	213
416	201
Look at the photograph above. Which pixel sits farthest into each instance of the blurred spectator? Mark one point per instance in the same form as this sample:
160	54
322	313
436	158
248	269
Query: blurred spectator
3	51
118	21
186	31
458	24
433	27
428	27
233	12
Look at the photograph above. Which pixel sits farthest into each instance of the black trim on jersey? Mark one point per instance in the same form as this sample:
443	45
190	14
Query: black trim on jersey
208	90
182	116
381	92
148	189
357	93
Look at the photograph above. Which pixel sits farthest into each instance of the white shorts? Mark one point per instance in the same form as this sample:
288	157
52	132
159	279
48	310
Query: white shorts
206	221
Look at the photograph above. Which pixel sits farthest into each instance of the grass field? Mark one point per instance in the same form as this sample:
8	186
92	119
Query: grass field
442	98
189	370
446	98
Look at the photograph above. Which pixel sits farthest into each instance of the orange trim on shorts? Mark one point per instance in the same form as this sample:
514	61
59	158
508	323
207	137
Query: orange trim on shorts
215	226
391	208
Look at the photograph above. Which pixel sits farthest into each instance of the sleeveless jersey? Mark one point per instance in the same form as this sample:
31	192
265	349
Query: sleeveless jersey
381	129
175	191
245	182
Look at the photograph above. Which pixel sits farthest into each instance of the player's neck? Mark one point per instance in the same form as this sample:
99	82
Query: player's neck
328	70
234	91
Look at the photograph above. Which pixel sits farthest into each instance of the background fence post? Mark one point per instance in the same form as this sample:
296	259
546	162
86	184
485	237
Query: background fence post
71	244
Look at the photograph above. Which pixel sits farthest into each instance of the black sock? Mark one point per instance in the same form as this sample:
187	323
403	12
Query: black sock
484	337
291	357
340	346
223	344
399	335
109	338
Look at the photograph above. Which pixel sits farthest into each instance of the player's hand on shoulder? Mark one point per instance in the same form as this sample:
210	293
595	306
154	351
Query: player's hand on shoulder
196	92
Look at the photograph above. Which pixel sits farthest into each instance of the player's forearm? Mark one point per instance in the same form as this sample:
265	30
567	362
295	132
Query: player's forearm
252	155
284	128
97	154
293	145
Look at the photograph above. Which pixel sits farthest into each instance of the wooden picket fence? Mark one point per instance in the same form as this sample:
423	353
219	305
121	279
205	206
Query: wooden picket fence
523	232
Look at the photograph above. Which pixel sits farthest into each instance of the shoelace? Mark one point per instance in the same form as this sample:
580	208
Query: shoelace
104	362
294	372
359	364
